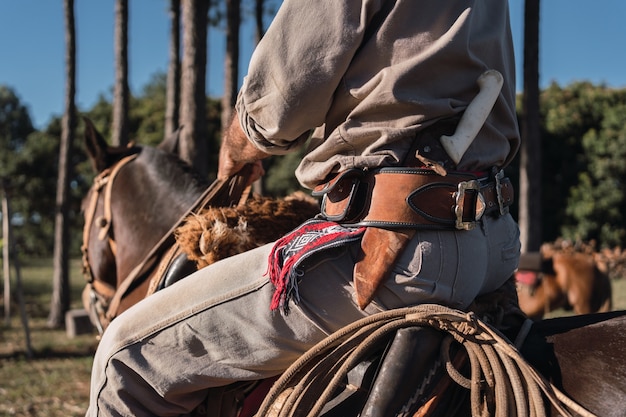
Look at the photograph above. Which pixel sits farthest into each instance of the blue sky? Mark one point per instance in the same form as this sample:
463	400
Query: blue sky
580	40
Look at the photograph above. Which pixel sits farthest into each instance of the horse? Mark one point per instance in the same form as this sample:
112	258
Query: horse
562	279
154	242
150	189
118	232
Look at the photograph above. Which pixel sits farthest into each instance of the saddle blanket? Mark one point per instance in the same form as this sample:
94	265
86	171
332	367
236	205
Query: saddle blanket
290	251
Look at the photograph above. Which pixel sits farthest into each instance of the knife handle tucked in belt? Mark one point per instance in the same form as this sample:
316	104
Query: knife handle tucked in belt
490	83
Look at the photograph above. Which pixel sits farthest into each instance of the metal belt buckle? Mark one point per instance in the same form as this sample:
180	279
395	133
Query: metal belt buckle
503	209
479	207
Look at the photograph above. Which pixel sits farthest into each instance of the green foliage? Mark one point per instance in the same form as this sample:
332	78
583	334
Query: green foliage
147	118
597	203
32	190
279	179
15	126
24	158
147	112
35	201
584	150
29	159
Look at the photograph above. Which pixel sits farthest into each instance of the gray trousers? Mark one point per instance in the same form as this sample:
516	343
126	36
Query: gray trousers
215	327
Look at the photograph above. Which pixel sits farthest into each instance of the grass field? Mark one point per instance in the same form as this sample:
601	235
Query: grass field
55	382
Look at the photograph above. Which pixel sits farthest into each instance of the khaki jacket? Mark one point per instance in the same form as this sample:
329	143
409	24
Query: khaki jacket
357	97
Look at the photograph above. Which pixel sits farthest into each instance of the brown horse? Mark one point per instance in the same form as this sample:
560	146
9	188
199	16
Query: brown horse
150	189
559	279
136	241
127	215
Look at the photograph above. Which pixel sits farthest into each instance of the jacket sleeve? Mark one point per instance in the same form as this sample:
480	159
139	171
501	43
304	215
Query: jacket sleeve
297	67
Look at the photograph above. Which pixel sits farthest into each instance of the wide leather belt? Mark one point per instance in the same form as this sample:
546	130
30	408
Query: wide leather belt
414	198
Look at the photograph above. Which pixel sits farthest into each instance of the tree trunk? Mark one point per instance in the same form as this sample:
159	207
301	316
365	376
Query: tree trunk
6	251
231	60
119	131
173	72
259	9
60	303
9	255
530	220
194	147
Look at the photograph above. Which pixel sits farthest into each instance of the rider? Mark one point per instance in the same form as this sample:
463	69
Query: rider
362	84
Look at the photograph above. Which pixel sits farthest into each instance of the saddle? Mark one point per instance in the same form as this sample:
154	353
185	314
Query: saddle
395	372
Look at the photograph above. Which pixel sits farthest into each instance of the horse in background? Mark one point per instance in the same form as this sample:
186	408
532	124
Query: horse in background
557	278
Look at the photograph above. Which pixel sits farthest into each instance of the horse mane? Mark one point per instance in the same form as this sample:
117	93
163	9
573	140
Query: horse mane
170	169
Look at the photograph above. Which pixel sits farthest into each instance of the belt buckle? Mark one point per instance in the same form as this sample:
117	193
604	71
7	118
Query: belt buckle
459	197
498	177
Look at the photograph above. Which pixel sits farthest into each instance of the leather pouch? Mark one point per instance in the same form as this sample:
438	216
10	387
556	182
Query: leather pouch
343	197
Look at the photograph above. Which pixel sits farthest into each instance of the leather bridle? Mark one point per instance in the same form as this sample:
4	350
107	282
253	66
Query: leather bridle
100	291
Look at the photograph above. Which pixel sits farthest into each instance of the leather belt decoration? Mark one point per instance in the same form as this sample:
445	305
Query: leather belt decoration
414	198
396	202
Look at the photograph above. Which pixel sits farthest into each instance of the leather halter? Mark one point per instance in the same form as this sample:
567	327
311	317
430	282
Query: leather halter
102	184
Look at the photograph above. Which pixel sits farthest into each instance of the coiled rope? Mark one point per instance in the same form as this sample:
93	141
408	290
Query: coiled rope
502	383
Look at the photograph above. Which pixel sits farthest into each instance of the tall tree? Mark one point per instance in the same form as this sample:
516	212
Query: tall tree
530	219
259	10
61	290
173	73
259	31
584	148
6	243
15	126
121	90
231	60
194	147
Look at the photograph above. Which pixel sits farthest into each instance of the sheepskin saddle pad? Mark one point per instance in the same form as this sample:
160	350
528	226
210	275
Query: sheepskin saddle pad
219	232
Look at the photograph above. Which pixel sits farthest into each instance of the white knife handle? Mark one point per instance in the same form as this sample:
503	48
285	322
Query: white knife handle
490	83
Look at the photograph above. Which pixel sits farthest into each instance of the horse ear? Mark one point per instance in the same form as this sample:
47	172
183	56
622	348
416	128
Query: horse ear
96	146
171	143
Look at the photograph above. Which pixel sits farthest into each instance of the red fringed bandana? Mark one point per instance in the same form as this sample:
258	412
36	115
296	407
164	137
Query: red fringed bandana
290	251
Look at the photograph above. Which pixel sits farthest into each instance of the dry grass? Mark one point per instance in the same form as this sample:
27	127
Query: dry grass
55	382
44	386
